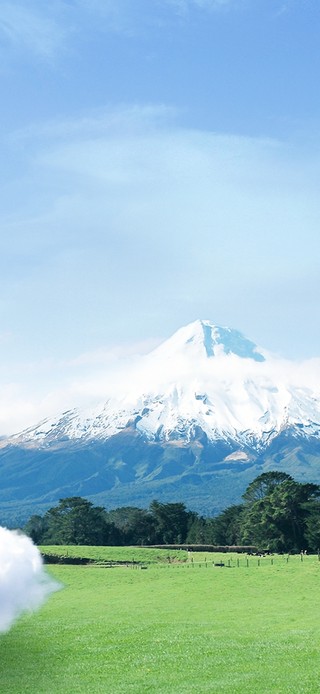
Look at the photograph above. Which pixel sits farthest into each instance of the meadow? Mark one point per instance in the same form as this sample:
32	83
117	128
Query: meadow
145	555
173	628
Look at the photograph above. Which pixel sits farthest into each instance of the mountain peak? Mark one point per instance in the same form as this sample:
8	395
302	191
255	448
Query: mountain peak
210	340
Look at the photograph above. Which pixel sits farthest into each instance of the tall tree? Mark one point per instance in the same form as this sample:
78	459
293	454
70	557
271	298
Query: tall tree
277	520
225	529
136	525
171	522
312	523
76	521
36	527
197	530
264	484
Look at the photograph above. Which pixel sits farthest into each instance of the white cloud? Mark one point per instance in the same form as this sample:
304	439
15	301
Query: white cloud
24	585
27	28
125	372
100	122
118	188
47	29
48	386
129	226
17	410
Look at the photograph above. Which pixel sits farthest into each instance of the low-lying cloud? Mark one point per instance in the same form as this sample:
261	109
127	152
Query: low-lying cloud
24	584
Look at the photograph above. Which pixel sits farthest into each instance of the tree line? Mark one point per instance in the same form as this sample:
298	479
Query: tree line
277	514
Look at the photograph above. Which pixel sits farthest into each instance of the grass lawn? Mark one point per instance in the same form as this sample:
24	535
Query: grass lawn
171	629
145	555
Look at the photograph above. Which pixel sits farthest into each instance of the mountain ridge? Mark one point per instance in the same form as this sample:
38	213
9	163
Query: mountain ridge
206	410
203	375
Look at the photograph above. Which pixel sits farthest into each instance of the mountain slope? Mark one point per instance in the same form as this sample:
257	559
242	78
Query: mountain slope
198	418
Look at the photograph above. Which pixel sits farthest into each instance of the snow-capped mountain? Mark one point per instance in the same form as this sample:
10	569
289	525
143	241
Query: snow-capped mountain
204	376
195	420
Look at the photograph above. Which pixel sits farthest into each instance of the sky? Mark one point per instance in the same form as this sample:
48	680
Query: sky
160	163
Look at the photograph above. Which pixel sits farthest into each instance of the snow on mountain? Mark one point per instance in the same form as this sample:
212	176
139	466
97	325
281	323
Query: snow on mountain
204	377
202	338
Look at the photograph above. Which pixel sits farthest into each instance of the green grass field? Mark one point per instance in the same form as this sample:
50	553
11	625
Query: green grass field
147	555
173	628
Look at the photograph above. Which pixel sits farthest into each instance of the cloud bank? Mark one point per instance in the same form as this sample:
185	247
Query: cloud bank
125	208
24	585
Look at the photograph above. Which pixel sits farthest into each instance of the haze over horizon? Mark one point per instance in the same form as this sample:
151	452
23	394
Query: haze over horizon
160	164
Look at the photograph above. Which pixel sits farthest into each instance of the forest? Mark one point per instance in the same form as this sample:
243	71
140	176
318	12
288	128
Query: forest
277	514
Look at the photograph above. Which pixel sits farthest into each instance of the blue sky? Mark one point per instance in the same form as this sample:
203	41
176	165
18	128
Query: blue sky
160	163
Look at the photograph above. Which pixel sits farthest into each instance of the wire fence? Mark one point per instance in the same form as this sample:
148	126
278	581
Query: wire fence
243	561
